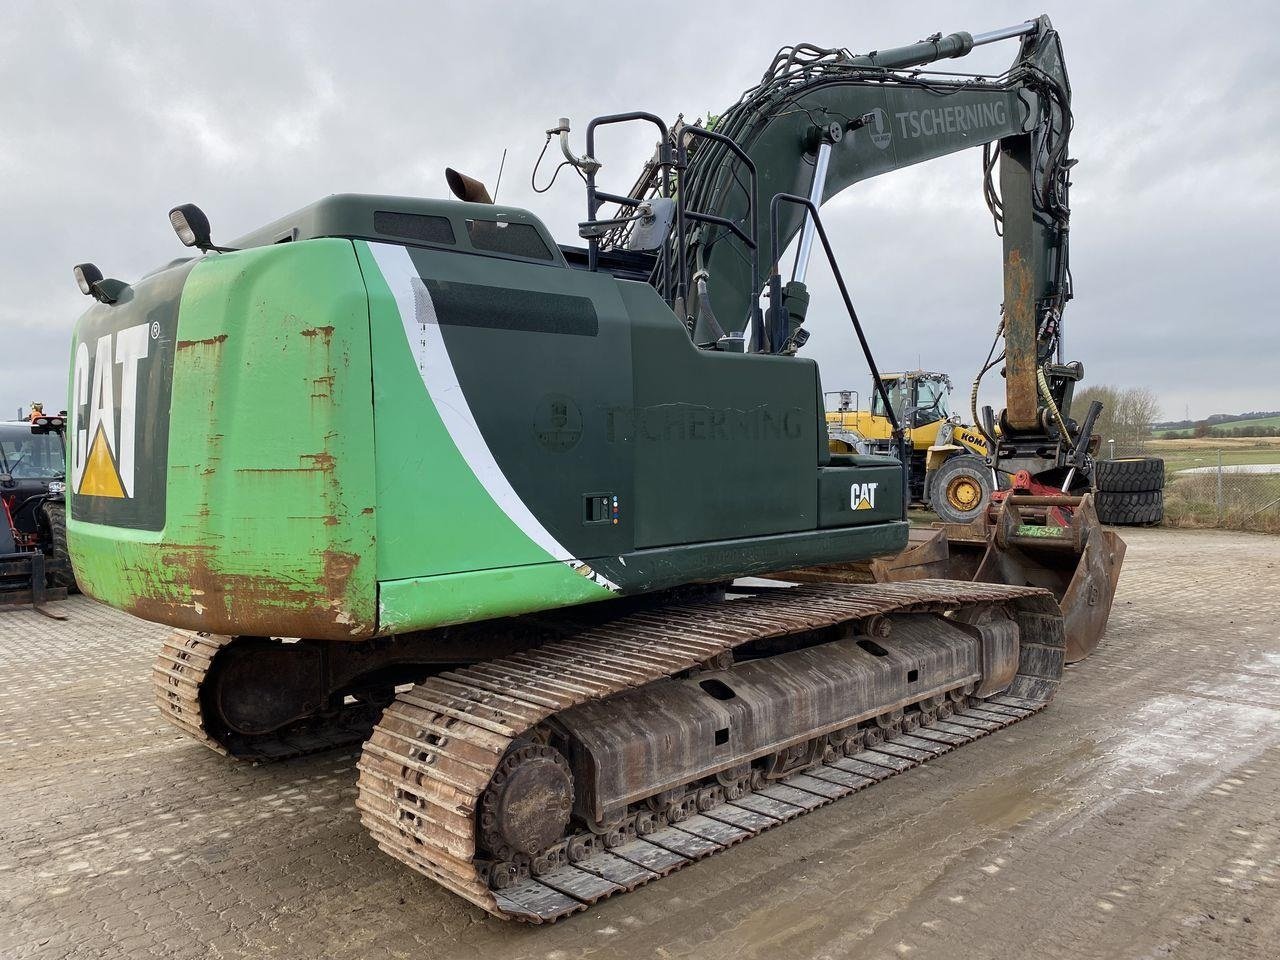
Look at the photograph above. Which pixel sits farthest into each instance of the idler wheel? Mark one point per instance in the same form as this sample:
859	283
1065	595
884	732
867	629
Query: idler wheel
525	809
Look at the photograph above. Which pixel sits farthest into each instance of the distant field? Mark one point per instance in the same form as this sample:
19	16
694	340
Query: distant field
1180	454
1233	425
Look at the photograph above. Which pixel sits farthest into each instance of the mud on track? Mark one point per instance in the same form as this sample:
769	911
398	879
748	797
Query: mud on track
1136	817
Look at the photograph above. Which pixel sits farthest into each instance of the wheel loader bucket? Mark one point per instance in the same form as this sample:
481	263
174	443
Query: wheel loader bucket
1055	542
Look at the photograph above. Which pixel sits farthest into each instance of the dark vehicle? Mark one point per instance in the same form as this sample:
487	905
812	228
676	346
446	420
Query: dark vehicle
34	565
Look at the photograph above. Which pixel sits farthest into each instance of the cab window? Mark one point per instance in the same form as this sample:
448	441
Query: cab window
896	400
31	456
930	402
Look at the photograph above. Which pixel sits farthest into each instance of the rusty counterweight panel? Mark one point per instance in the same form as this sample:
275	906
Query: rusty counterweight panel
267	524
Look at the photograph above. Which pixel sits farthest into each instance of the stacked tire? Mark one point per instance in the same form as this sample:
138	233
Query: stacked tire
1130	492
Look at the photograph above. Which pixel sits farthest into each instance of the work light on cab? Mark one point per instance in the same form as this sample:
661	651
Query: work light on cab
92	284
192	227
86	276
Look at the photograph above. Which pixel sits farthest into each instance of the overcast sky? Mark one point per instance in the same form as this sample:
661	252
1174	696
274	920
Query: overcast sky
112	113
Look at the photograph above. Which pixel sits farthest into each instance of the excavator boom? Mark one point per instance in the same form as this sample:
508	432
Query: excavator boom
821	120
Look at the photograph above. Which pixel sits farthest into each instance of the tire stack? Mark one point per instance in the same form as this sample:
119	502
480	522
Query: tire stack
1130	492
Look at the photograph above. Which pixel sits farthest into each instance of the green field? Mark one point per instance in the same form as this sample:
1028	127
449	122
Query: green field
1179	460
1182	454
1233	425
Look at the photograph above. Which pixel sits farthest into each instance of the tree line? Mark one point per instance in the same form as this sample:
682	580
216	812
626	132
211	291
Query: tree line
1216	420
1129	417
1205	429
1127	412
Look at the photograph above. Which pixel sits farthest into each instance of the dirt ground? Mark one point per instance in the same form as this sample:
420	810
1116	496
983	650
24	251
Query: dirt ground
1137	817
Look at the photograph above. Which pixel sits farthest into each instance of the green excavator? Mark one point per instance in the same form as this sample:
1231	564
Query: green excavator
556	632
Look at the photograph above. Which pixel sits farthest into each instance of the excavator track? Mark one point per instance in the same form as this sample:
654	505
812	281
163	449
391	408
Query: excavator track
425	770
178	677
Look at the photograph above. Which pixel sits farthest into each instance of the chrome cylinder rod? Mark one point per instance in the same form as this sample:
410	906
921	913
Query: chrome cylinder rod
1005	33
815	197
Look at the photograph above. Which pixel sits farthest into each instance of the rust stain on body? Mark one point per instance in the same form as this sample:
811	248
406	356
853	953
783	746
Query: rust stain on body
324	461
194	596
210	342
1020	342
323	387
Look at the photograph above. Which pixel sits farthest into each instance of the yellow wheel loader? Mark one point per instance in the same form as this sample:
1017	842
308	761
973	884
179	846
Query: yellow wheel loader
947	472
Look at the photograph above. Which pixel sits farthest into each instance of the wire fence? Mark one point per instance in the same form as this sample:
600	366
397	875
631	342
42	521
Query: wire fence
1229	488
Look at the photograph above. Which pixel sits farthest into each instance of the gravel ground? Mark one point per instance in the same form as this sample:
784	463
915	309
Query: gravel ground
1136	817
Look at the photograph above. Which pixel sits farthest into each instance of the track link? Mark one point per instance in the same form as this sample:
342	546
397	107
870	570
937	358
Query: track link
184	664
430	758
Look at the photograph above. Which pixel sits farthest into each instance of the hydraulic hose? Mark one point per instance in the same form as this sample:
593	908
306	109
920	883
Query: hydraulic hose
992	360
1047	396
973	409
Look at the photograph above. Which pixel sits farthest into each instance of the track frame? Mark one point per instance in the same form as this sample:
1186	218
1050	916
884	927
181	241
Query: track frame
431	757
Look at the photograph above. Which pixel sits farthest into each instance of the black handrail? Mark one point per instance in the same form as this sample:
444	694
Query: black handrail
665	164
676	280
728	225
779	311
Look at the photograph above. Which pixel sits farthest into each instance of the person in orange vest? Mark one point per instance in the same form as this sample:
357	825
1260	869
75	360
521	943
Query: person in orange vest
37	411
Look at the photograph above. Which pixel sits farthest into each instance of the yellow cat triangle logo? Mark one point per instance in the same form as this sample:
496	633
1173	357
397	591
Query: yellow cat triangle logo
101	478
862	496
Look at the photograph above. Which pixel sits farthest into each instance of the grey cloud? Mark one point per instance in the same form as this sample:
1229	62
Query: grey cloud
112	113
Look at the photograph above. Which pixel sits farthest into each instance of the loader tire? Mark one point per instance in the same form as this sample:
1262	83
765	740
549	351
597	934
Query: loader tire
58	560
961	490
1129	476
1137	509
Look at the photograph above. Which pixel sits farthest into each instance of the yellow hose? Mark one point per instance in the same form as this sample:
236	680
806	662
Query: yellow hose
1047	396
973	405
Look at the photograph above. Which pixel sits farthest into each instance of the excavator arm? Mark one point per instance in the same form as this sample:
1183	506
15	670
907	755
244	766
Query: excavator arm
727	197
821	120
